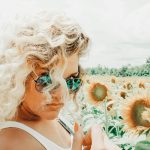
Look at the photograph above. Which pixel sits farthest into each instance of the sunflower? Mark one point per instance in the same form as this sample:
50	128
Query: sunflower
123	94
97	92
88	81
141	85
128	86
113	80
146	114
136	113
124	86
109	104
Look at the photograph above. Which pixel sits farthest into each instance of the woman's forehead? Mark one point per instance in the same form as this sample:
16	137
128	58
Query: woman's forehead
67	72
70	67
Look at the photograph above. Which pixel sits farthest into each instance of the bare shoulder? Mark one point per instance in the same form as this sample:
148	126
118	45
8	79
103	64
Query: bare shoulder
16	139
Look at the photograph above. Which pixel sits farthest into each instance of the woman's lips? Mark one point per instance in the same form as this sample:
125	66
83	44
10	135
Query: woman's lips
55	106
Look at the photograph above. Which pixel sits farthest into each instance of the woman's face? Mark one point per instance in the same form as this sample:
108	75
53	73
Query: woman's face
34	101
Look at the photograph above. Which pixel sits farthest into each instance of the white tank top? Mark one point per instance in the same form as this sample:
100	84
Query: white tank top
48	145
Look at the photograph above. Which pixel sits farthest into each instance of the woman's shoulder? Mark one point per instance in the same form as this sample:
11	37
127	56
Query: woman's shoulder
16	139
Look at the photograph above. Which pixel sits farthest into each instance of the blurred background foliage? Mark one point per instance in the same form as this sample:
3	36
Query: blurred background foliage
124	71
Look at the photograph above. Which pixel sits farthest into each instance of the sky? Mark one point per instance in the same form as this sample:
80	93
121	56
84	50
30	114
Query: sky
118	29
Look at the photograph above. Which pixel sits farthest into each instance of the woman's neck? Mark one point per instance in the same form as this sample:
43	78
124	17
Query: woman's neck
49	128
24	113
26	116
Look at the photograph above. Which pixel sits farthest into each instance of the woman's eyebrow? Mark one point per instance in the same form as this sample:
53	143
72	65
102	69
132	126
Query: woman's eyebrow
75	73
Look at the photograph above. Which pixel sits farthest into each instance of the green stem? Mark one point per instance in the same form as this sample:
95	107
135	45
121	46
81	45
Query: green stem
148	137
106	117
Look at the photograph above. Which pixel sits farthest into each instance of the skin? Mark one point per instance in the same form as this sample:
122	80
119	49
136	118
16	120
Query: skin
95	139
32	114
43	120
33	99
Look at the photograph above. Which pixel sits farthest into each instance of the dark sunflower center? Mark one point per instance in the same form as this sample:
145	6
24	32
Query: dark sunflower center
137	116
98	92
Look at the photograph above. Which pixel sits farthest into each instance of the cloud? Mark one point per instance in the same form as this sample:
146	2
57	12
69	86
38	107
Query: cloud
119	29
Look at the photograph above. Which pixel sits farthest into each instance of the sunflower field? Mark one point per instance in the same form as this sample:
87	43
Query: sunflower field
121	105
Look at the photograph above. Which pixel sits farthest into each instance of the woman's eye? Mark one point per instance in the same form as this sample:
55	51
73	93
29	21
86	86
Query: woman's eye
45	79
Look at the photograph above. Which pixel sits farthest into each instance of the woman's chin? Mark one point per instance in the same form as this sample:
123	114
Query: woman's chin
51	115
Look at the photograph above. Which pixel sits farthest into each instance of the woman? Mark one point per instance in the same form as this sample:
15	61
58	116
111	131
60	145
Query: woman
39	73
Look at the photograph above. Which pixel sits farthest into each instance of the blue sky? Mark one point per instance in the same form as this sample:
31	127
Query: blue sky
119	29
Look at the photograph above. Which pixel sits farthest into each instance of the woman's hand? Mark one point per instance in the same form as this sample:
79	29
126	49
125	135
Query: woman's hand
96	139
77	138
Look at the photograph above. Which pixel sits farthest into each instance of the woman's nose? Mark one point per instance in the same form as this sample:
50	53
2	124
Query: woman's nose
57	92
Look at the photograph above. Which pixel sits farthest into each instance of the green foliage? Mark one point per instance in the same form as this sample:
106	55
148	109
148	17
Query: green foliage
126	147
124	71
148	60
143	145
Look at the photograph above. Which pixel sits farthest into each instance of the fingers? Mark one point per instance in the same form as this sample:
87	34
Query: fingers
76	127
87	138
100	141
77	138
94	139
87	147
97	138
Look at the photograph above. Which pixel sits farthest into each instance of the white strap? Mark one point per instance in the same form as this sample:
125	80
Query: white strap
49	145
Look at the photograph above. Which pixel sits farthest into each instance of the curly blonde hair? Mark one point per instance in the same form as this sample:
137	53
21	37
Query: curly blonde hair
31	41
